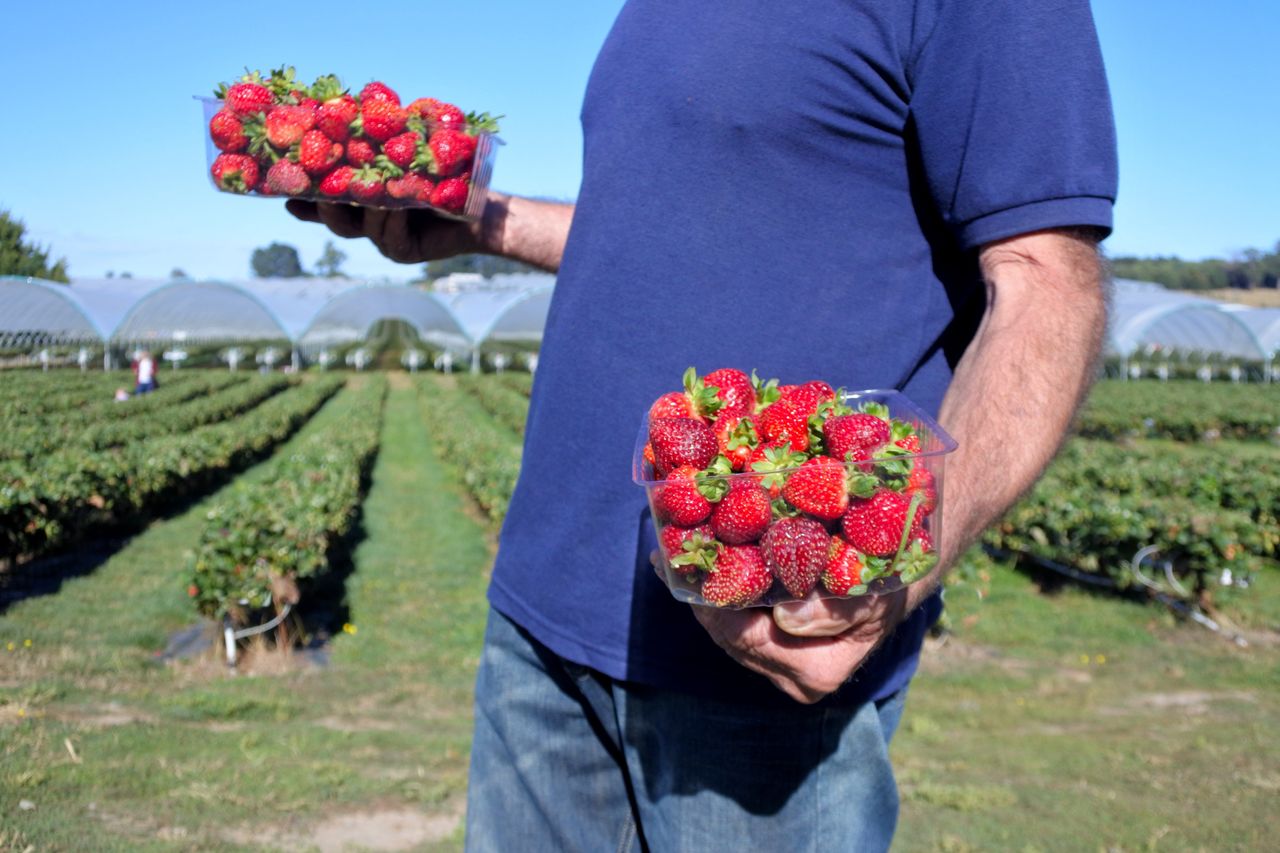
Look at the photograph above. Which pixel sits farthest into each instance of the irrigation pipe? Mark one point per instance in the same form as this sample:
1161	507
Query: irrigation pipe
230	635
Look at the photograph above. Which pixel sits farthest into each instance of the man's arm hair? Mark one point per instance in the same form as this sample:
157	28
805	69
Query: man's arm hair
526	229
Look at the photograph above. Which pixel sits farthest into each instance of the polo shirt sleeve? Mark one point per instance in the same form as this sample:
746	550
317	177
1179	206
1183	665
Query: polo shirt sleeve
1010	107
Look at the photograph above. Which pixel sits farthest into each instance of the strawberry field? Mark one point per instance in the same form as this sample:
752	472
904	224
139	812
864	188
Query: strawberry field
1066	708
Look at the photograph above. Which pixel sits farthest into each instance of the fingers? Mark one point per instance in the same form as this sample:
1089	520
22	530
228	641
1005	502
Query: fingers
345	220
389	231
824	617
304	210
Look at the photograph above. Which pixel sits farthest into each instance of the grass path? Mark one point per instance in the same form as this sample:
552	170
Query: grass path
115	752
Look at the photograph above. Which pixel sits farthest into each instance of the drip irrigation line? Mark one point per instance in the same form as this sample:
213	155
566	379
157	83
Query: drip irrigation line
230	635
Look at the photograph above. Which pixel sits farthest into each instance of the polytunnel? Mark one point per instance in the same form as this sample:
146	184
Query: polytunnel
199	312
1146	315
34	312
349	316
1264	323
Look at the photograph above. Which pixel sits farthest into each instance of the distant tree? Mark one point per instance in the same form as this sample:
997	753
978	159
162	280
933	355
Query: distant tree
126	274
484	265
18	257
178	272
329	263
276	261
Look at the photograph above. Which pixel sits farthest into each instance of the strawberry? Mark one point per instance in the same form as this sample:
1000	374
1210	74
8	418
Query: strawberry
909	443
450	152
336	182
689	549
743	514
787	420
734	388
378	91
237	173
818	488
679	500
408	186
360	152
843	571
438	113
381	119
696	401
681	441
401	149
853	438
247	98
875	525
227	131
772	460
285	125
920	481
821	389
737	437
286	177
451	194
318	153
302	99
740	577
367	185
335	116
796	550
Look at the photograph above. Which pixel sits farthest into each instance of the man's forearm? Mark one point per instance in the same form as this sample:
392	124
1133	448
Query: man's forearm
526	229
1019	383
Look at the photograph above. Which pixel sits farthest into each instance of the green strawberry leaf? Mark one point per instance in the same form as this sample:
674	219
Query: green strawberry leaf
874	568
766	392
916	563
880	410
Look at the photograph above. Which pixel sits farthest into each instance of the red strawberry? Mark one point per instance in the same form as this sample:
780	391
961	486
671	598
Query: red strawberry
451	194
367	185
696	401
439	113
689	549
360	152
843	571
743	514
854	437
737	438
772	460
787	420
245	99
678	499
408	186
302	99
821	389
335	115
909	443
740	577
734	389
401	149
318	153
874	525
227	132
237	173
286	177
378	91
920	481
285	125
796	550
818	488
681	441
451	151
382	119
806	397
336	182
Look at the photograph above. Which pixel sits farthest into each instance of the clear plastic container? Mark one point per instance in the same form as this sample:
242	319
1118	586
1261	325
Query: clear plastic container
476	173
886	554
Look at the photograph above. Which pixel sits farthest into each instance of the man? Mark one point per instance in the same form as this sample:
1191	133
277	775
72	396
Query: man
881	195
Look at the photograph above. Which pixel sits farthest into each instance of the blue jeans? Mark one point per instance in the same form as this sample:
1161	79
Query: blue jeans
566	759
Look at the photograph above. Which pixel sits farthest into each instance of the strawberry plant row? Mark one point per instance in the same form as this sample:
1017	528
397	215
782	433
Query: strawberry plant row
35	394
1240	481
508	407
267	541
522	382
1184	411
96	408
34	441
485	455
1099	532
51	503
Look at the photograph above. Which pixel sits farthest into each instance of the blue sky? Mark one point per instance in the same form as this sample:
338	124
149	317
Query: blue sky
103	152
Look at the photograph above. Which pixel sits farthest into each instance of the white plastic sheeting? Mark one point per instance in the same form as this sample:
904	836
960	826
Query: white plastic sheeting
1148	316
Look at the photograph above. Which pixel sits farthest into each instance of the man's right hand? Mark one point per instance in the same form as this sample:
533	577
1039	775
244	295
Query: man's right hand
404	236
522	229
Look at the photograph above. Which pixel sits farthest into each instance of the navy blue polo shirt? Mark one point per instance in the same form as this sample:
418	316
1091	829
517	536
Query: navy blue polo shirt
799	189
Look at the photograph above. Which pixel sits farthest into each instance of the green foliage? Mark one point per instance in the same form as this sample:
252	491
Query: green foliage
284	528
507	406
330	261
278	260
1185	411
484	265
1252	268
18	257
521	382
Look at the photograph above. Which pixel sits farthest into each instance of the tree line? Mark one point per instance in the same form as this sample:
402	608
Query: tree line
1252	268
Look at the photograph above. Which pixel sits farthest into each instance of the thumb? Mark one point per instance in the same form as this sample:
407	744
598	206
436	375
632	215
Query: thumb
821	617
